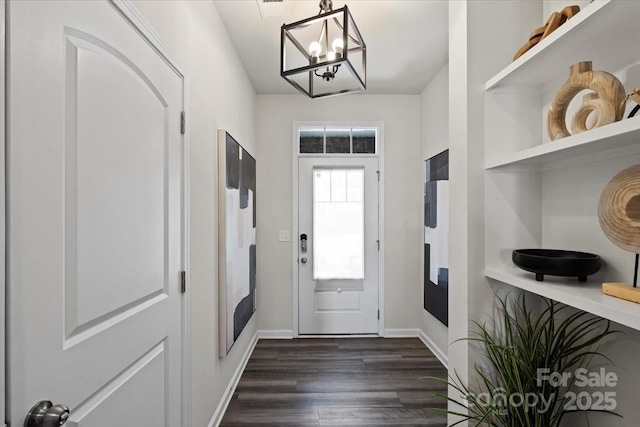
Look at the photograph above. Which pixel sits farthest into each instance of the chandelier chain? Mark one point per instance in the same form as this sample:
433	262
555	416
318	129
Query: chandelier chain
325	6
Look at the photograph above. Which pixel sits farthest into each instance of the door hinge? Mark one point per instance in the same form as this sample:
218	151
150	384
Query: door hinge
378	172
378	314
183	124
183	282
378	242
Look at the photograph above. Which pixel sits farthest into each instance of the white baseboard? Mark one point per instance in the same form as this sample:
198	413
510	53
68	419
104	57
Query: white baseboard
275	334
401	333
339	336
231	388
417	333
442	357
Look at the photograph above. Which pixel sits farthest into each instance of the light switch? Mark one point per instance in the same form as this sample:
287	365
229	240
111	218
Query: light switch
284	236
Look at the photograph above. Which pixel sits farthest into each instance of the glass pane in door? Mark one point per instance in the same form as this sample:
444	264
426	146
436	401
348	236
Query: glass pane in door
311	141
364	141
338	141
338	224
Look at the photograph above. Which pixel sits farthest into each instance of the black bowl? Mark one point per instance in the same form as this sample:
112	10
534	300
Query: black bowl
557	263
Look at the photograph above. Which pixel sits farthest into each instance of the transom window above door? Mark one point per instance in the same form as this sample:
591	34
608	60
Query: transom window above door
337	140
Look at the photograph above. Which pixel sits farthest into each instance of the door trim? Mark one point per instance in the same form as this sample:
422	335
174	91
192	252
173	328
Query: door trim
133	17
294	213
3	198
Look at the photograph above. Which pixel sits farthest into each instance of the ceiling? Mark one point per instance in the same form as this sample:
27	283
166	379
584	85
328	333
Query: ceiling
407	40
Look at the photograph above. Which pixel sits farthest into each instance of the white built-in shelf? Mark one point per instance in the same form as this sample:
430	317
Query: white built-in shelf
606	33
616	135
594	34
583	296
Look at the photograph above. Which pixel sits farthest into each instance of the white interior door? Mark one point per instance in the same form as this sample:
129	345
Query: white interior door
338	263
94	217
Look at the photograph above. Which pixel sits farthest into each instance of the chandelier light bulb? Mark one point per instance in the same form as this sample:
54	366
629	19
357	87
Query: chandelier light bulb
331	56
315	49
338	47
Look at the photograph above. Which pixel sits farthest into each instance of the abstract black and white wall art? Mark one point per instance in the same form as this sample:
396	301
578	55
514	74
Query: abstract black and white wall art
436	237
237	239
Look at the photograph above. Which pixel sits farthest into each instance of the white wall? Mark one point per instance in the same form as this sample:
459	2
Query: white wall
402	186
220	96
478	48
434	139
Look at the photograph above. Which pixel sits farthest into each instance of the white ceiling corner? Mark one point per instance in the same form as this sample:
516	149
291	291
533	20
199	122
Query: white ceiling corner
407	40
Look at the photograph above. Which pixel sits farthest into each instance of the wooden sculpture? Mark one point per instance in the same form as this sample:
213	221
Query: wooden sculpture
555	20
619	216
619	209
606	101
591	102
633	95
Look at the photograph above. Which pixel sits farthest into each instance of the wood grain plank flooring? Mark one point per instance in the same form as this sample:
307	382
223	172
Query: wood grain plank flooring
339	382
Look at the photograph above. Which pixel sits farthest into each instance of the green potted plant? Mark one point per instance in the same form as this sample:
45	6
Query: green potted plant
539	367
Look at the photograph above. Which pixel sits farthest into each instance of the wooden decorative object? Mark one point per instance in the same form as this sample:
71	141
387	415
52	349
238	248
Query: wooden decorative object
538	33
619	216
619	210
528	45
634	95
570	11
622	291
555	20
606	101
591	102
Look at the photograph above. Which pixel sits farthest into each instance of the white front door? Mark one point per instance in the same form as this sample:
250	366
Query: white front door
338	245
94	204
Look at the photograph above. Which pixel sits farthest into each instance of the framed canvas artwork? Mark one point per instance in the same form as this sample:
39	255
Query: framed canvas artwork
237	239
436	237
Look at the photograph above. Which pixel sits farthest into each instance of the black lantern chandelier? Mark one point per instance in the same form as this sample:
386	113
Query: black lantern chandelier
324	55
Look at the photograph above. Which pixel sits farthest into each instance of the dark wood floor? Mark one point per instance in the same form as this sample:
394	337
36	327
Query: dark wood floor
340	382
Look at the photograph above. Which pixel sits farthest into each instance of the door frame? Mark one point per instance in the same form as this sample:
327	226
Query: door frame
135	19
3	211
295	205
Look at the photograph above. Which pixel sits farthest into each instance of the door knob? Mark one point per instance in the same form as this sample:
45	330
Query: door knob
303	260
46	414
